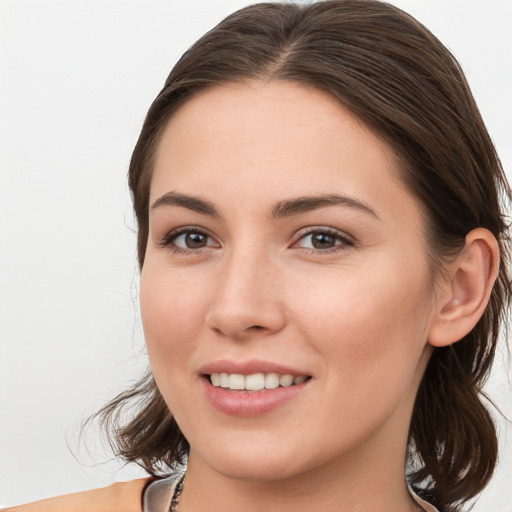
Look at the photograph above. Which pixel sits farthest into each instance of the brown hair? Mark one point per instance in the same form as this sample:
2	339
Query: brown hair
404	84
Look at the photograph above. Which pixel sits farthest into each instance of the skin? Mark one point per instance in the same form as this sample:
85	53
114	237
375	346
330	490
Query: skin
356	316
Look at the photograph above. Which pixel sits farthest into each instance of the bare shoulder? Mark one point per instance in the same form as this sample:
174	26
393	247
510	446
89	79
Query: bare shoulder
118	497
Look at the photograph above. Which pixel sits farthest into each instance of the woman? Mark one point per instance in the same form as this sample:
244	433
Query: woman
323	271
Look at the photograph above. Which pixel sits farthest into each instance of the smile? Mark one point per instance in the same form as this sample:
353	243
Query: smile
255	381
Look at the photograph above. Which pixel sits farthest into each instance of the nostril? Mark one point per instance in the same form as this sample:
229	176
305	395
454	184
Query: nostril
240	321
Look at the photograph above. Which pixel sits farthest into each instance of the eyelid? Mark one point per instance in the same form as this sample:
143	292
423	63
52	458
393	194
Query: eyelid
346	239
168	238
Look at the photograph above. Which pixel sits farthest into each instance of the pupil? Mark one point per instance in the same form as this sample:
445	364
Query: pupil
322	241
195	240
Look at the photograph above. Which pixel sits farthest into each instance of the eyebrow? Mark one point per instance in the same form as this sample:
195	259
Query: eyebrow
284	208
308	203
185	201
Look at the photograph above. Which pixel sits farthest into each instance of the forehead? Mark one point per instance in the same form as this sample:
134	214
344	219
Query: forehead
271	139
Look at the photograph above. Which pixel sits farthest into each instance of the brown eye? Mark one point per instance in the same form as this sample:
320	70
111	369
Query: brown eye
324	240
190	240
195	240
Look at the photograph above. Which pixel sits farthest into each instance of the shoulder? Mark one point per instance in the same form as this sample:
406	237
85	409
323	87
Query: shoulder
118	497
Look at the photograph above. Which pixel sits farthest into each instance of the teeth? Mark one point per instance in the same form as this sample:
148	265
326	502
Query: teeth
255	381
271	381
236	381
286	380
224	380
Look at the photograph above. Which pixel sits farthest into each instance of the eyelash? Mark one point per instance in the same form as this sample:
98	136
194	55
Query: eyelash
168	240
345	241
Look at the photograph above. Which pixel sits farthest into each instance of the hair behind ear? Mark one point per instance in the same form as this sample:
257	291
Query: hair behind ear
454	439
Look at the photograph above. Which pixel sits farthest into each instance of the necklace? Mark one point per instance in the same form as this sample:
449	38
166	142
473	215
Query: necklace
176	496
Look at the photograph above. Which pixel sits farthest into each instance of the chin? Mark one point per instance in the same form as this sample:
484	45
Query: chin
263	464
255	471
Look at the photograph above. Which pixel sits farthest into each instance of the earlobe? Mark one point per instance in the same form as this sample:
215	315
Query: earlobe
466	289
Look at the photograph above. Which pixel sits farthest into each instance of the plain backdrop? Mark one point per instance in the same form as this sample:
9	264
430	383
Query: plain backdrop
76	78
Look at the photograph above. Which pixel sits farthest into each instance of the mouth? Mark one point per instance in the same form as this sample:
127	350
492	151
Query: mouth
255	381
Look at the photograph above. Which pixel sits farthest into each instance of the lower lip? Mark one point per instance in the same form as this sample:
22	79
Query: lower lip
255	403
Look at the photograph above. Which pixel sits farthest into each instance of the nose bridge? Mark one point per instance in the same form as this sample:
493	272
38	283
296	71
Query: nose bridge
246	299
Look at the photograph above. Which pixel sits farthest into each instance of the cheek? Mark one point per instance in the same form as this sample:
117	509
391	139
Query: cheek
371	339
172	315
371	324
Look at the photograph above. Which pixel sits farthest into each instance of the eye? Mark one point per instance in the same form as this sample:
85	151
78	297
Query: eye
189	239
323	239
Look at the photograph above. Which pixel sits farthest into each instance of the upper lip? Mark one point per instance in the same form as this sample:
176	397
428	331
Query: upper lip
248	367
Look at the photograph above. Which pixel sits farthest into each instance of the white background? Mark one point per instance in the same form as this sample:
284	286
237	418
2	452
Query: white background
76	78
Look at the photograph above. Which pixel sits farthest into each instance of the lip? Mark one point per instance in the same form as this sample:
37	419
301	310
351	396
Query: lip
244	403
248	367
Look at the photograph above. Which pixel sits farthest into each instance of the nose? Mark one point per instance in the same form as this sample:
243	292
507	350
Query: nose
248	301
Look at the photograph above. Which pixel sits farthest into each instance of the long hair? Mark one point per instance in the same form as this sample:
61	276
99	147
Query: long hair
399	79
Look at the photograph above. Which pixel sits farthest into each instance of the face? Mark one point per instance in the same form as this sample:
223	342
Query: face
286	296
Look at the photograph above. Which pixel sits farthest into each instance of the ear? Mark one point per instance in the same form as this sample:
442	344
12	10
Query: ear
465	289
